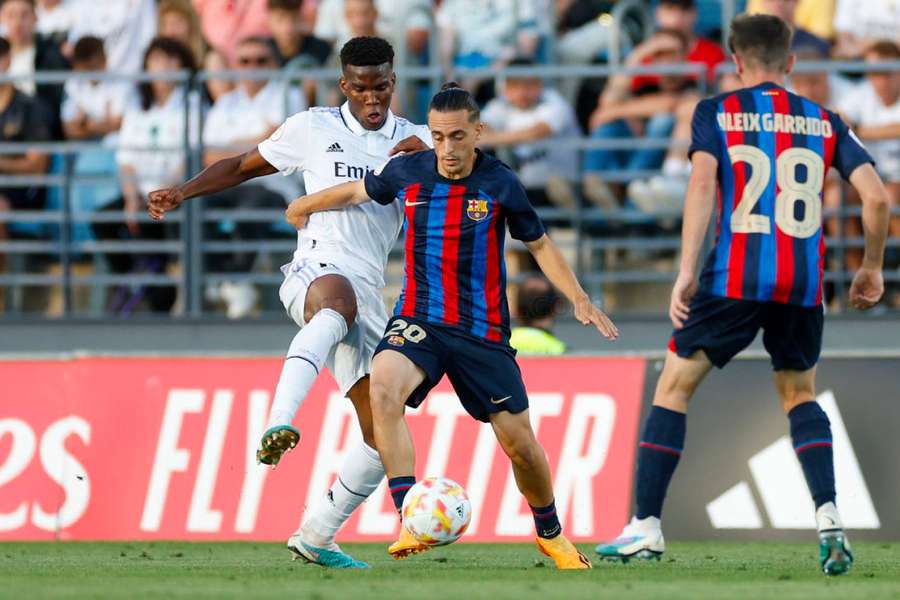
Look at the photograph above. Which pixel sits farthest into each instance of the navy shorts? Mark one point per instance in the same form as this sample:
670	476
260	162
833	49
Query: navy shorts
722	327
484	375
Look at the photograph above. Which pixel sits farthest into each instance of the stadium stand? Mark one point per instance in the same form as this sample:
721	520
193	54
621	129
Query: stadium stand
616	80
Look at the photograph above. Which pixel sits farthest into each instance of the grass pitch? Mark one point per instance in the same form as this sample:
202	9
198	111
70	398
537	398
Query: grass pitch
692	571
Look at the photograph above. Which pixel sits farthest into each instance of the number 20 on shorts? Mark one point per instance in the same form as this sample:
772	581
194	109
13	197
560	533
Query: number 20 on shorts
792	191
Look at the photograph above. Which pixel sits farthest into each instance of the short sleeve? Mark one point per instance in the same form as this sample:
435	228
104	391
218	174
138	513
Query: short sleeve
284	149
129	134
384	184
704	131
552	112
494	114
849	152
69	109
524	223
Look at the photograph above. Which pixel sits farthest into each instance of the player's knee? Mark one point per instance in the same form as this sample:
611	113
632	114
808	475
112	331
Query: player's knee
385	401
333	292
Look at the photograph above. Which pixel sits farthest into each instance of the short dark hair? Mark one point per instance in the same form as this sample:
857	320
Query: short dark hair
682	4
536	299
171	47
884	49
764	40
291	5
261	40
366	51
4	47
453	97
88	48
679	35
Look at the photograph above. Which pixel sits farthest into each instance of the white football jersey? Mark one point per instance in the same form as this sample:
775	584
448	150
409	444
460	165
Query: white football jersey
330	147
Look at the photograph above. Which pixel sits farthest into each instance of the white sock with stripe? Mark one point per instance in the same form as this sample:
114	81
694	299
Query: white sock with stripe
358	477
305	357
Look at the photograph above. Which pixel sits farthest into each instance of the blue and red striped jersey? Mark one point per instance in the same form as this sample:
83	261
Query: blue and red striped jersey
774	149
455	232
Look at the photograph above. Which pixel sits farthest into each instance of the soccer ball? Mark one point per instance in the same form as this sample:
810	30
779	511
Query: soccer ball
436	511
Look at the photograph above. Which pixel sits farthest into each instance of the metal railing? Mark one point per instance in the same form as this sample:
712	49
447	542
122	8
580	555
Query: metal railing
56	244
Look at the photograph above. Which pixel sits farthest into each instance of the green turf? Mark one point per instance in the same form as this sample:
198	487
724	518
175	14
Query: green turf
692	571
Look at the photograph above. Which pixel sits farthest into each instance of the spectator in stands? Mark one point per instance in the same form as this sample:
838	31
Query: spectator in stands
298	48
860	23
481	33
92	109
874	110
178	20
623	112
22	119
150	156
31	52
681	16
526	113
125	26
787	11
226	22
405	23
55	19
237	122
536	305
813	16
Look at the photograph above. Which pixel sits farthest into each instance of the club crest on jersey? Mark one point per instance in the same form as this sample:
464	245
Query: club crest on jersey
477	209
396	340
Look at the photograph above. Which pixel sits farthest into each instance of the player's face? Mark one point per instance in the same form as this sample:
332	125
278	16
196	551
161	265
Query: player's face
813	86
455	137
369	91
523	93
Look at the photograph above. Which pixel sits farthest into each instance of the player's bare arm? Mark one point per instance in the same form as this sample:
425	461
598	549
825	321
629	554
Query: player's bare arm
868	284
220	175
554	266
408	145
337	197
698	207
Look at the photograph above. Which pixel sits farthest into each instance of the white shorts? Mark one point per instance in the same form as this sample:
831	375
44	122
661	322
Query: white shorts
351	359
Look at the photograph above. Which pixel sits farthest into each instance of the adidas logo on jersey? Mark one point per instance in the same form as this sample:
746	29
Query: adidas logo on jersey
335	147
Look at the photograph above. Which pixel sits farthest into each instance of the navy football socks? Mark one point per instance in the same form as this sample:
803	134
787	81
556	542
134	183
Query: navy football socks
546	521
811	434
399	486
658	454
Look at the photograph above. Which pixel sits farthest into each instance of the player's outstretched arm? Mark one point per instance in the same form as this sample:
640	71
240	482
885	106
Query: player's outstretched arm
868	284
554	266
698	207
333	198
220	175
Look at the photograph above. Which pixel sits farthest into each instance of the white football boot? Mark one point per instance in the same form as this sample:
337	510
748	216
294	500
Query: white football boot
641	538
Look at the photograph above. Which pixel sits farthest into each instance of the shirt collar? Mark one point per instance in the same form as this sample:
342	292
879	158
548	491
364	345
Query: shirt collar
386	130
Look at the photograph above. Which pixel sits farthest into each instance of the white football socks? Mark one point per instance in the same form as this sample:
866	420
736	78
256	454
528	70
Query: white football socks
305	357
358	477
828	518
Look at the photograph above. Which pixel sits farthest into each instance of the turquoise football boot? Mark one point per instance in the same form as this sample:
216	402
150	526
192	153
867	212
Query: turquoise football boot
275	442
639	539
332	558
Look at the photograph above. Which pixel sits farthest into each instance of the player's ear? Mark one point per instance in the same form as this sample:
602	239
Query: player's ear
479	129
738	63
791	61
342	84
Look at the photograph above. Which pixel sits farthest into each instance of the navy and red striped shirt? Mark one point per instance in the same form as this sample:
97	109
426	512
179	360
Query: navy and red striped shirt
774	149
455	232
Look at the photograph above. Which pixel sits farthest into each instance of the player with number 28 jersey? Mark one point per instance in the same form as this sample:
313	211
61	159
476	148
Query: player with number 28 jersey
774	149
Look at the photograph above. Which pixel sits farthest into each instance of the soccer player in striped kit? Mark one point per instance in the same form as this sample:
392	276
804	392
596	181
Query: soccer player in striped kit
766	151
452	317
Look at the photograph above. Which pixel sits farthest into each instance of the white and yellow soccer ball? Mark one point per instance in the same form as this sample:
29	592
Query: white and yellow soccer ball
436	511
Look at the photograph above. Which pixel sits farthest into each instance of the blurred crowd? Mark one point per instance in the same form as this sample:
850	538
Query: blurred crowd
530	121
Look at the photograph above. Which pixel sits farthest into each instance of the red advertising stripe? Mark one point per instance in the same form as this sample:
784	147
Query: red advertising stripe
114	449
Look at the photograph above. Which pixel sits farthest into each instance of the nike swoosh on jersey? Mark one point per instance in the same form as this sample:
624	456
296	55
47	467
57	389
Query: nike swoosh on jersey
501	400
408	203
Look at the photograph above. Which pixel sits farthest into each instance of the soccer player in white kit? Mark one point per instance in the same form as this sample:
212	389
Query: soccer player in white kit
332	288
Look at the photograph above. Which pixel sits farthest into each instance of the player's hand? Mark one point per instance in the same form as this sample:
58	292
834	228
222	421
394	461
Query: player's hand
295	214
866	289
682	293
588	314
162	201
409	145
